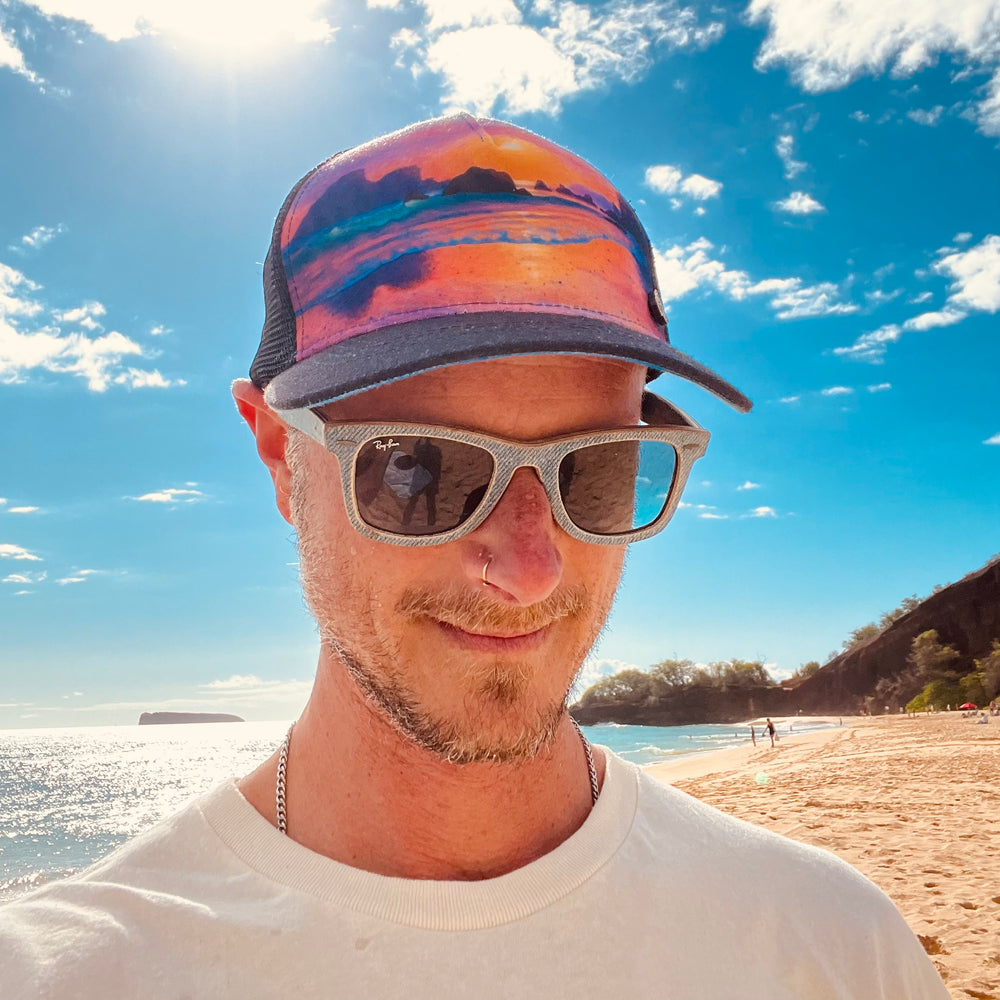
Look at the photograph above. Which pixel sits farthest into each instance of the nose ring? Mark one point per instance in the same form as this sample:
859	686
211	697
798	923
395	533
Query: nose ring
486	566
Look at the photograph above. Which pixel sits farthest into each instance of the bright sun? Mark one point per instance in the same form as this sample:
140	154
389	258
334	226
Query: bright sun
218	24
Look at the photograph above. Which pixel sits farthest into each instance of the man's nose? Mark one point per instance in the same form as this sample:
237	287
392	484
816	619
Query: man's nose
519	539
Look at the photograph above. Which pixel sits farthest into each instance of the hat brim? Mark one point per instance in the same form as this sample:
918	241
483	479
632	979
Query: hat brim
396	352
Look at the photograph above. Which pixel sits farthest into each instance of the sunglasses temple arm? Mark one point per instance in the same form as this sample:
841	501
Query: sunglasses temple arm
305	420
657	412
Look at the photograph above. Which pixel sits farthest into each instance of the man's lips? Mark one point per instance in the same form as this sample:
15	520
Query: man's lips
494	643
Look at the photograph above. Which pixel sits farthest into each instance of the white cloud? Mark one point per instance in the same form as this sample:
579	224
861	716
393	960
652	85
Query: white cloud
881	387
975	287
976	275
789	399
40	236
920	299
31	341
249	24
799	203
11	551
878	297
701	188
80	576
871	346
249	689
491	55
961	237
593	670
170	496
763	512
85	315
828	44
749	486
931	320
785	148
930	117
993	440
859	116
158	330
668	179
12	58
682	269
21	510
25	577
837	390
136	378
697	506
708	516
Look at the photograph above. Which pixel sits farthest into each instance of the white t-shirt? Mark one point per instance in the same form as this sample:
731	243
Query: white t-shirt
656	895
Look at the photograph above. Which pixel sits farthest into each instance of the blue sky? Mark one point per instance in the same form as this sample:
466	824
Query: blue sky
819	180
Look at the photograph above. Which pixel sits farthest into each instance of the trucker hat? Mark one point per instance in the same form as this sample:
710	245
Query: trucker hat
455	240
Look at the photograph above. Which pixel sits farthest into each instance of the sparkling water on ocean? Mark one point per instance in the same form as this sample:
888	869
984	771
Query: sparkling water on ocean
70	796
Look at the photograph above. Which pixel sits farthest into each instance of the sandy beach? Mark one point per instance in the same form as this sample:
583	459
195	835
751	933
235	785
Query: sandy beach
912	803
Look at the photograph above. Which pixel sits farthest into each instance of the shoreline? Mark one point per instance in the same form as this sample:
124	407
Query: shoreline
912	803
700	763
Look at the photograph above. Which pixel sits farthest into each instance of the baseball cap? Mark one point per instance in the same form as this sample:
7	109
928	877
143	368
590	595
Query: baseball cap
457	239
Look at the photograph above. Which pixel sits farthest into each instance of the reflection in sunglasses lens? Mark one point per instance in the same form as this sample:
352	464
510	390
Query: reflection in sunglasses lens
411	485
618	486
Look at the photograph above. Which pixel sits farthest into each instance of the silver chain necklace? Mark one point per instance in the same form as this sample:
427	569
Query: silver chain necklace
279	787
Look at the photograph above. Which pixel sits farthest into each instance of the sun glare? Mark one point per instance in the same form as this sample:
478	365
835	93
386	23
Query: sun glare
216	24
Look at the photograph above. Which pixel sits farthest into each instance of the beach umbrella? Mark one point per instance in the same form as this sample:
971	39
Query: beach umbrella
968	704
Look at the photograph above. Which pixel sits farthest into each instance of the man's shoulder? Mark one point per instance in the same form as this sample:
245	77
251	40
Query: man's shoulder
82	924
710	850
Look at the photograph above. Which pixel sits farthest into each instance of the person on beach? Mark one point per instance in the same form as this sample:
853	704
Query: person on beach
770	731
450	398
753	735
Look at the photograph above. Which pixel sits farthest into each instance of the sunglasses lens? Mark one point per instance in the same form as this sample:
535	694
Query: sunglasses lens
616	487
419	485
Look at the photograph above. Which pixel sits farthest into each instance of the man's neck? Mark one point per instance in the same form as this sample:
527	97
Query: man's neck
360	792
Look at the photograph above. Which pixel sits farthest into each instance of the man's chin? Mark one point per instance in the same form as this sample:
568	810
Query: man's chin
502	736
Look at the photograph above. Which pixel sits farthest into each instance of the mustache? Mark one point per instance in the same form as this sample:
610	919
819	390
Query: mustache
473	612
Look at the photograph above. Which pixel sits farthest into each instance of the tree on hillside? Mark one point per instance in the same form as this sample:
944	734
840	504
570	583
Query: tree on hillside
931	660
667	675
805	672
989	667
732	673
972	689
631	687
860	636
907	605
747	673
938	695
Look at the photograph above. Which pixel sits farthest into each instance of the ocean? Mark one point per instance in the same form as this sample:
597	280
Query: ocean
70	796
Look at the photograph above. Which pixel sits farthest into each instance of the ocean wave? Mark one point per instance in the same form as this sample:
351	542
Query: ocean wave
651	751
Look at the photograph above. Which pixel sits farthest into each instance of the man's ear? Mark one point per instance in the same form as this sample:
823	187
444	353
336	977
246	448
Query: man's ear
272	437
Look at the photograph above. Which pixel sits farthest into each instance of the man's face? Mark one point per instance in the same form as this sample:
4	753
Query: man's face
470	671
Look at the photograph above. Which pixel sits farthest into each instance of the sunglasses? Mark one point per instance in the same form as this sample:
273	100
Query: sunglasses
417	484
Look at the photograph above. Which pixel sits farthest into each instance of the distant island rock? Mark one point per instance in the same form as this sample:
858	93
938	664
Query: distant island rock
172	718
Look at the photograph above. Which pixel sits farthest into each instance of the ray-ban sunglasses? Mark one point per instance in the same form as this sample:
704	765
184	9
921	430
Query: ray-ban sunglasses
418	484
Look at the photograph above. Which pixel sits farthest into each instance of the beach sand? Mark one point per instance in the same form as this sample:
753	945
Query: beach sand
912	803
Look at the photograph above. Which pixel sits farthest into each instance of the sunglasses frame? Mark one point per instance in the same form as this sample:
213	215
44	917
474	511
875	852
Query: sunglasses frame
664	422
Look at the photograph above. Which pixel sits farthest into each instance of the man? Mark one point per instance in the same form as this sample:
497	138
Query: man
449	397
